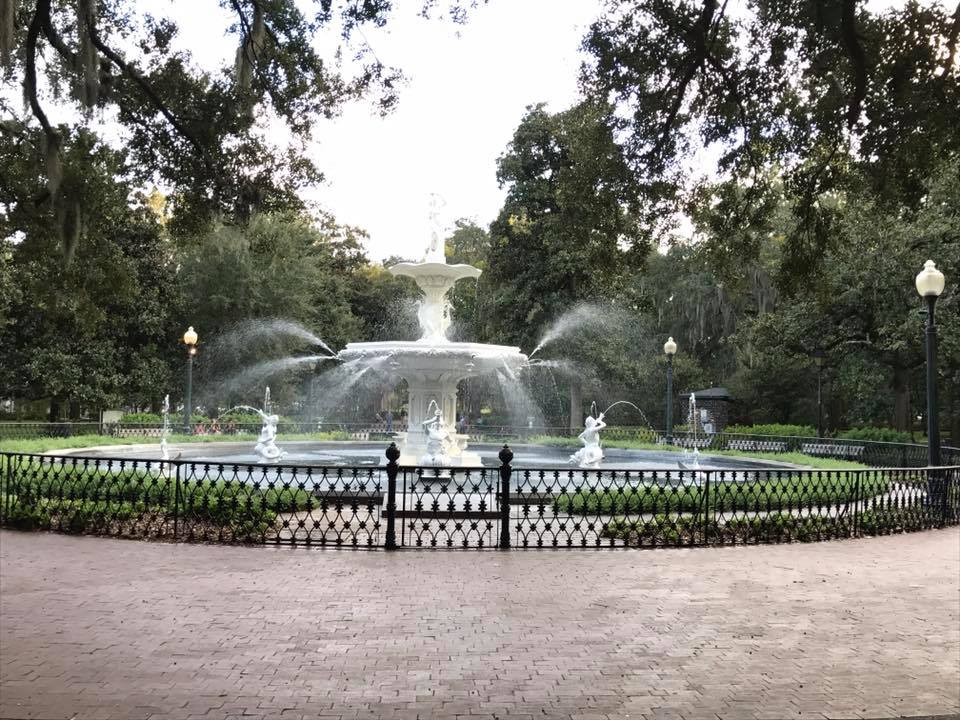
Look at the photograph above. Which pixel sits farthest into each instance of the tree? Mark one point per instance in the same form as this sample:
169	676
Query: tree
90	334
569	229
201	130
819	93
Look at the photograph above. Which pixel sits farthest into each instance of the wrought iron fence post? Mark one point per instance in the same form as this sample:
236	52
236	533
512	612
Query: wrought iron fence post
856	504
7	486
176	500
506	457
706	508
393	454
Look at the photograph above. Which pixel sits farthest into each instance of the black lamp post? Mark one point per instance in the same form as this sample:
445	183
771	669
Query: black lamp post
930	283
190	340
818	358
670	349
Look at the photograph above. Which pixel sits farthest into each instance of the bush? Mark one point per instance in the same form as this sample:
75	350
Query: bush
773	429
771	494
145	418
878	434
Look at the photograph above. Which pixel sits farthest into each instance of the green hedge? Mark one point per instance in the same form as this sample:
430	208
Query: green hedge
773	429
765	495
78	499
878	434
776	527
145	418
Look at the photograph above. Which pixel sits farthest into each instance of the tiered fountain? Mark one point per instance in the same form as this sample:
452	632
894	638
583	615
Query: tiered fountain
433	365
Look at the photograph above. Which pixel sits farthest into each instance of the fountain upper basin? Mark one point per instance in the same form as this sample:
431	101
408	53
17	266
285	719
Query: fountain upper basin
454	360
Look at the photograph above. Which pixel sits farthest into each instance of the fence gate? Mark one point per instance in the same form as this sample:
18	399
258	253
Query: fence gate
448	507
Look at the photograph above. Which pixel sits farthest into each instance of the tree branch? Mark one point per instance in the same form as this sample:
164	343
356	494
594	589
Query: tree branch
161	107
952	40
30	74
848	28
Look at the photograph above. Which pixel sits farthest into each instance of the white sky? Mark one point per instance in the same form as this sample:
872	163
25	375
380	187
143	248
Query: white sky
468	87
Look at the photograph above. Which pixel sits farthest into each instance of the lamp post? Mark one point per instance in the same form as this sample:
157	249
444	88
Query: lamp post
930	283
190	340
670	349
818	358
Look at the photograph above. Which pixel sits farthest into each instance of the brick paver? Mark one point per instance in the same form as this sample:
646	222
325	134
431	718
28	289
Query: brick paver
99	628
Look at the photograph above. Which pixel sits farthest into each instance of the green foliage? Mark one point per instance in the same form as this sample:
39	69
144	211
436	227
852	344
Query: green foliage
569	229
776	493
773	429
87	334
878	434
79	499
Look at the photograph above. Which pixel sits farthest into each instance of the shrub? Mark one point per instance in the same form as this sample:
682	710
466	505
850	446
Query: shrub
145	418
773	429
877	434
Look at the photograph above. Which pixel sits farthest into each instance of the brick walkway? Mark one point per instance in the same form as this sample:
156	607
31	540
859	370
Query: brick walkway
98	628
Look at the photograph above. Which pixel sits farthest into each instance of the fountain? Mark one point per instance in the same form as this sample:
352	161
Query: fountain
691	460
164	448
433	365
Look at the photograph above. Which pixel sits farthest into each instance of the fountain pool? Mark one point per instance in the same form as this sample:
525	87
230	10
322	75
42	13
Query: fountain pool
356	454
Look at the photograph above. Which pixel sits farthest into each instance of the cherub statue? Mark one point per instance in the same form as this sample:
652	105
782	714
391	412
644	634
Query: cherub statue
437	439
266	446
590	454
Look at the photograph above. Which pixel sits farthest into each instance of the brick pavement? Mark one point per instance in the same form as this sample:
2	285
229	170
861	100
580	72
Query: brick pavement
97	628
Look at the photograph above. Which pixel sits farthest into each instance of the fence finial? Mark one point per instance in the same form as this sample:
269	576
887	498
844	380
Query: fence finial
393	453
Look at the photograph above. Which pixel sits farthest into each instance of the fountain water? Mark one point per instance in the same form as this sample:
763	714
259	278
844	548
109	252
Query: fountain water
164	448
691	460
433	365
266	448
627	402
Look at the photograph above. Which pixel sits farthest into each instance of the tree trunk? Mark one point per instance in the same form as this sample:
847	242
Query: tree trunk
53	414
901	399
576	408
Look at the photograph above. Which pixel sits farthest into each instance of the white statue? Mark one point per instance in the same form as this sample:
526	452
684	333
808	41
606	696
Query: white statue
590	454
437	439
435	250
266	446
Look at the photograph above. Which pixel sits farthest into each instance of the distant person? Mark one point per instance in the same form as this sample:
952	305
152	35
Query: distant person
462	425
388	419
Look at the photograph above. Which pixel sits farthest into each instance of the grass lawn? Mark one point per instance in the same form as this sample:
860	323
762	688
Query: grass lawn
40	445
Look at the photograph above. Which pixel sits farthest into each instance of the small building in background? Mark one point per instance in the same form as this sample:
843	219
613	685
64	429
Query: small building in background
713	407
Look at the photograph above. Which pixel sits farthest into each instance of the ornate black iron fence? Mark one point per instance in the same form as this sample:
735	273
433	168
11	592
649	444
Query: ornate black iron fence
391	506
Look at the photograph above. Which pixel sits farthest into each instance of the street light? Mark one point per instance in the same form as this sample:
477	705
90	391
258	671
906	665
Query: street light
190	340
670	349
930	283
818	357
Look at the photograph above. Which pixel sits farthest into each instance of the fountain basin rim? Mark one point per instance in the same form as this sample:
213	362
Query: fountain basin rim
435	269
749	463
425	346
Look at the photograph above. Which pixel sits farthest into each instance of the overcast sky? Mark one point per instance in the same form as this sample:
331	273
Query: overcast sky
467	91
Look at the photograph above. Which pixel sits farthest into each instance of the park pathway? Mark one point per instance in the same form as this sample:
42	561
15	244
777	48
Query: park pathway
93	628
